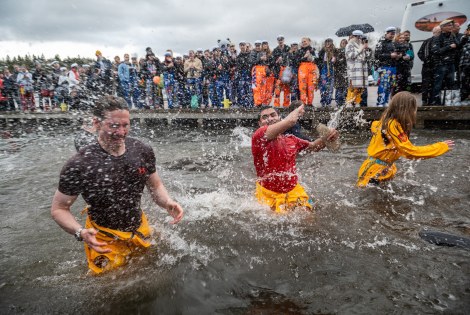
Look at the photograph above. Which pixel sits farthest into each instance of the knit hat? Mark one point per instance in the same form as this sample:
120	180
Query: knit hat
98	53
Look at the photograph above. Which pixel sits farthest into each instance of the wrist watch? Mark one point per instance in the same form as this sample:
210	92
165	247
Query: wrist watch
78	234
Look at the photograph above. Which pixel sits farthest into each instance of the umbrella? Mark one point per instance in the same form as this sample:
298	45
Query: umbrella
346	31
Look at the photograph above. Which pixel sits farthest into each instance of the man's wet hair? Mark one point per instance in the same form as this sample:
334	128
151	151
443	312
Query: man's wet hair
265	107
108	103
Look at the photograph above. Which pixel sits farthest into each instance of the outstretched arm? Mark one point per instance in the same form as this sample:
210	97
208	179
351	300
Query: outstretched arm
160	197
278	128
410	151
320	143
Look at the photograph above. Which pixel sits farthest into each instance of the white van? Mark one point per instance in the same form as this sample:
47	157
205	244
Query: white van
421	17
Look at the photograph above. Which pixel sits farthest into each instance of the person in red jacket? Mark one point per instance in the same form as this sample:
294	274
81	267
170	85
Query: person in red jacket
274	155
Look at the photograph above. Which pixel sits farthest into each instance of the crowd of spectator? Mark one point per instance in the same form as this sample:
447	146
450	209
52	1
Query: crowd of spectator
253	75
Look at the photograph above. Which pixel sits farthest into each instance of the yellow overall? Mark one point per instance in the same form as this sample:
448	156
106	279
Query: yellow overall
281	202
380	165
122	245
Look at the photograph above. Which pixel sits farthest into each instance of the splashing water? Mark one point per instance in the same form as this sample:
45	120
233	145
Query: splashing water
359	120
334	118
243	136
229	246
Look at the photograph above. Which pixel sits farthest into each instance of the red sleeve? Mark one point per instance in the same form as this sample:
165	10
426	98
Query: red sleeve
258	138
301	144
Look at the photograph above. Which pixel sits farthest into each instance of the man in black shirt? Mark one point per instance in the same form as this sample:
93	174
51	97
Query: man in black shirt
111	174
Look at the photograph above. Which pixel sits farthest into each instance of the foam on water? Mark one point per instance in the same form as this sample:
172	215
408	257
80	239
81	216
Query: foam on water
242	136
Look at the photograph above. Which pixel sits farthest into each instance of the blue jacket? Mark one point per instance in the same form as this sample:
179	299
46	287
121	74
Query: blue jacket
123	72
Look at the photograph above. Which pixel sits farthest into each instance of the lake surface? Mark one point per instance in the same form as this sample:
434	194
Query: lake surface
358	253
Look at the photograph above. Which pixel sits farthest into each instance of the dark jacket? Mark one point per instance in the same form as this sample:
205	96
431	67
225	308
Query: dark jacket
299	55
383	52
9	84
403	48
179	72
341	75
280	52
209	69
255	57
243	62
424	52
442	53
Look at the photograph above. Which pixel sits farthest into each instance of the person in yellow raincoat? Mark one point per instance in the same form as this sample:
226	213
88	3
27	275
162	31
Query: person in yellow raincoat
111	174
274	155
390	141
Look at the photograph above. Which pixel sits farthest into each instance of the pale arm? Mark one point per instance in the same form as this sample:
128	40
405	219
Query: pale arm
160	197
61	214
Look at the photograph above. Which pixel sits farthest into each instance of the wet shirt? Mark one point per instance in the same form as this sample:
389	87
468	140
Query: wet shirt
275	160
111	185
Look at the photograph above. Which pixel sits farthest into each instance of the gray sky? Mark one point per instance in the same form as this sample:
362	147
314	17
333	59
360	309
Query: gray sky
80	27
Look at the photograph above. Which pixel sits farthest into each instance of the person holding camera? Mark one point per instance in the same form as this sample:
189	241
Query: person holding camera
356	68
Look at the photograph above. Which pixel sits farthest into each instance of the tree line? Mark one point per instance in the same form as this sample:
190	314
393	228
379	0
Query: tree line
30	60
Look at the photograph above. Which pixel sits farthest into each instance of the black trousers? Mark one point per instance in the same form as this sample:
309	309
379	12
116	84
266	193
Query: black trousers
427	81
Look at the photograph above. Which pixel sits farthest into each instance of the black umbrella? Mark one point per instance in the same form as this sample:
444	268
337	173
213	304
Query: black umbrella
346	31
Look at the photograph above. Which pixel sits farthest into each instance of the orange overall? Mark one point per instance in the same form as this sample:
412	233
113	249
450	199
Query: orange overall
262	88
308	80
285	87
380	165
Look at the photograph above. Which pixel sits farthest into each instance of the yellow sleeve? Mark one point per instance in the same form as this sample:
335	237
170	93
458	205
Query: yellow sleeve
410	151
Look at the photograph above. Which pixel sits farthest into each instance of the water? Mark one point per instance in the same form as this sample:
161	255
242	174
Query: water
358	253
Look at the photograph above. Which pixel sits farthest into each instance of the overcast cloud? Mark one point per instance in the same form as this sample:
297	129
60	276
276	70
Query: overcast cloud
71	28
